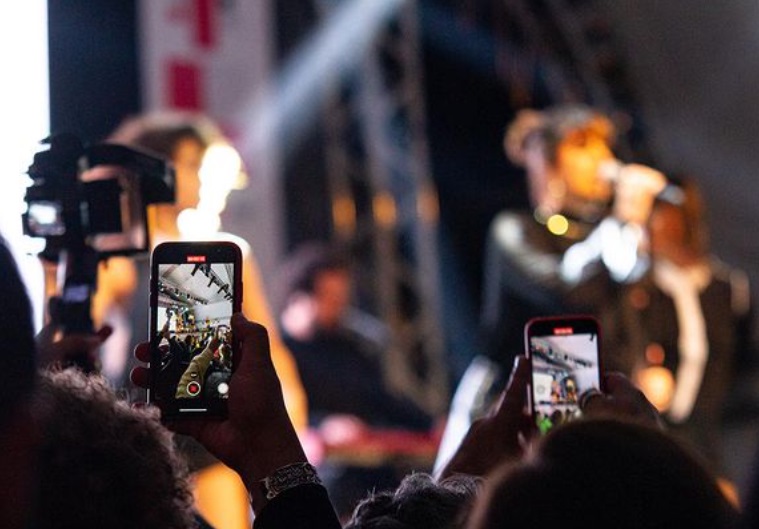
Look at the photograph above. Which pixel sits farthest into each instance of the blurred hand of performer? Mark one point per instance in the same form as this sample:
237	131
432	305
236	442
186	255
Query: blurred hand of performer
257	437
499	436
621	399
636	187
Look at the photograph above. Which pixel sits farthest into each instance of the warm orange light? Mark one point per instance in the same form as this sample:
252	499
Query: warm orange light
658	385
428	207
385	212
655	354
730	491
344	214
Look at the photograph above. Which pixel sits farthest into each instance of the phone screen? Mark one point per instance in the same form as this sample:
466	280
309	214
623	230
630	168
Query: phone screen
195	290
565	354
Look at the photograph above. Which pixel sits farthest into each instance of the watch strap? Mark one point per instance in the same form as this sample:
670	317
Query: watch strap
289	476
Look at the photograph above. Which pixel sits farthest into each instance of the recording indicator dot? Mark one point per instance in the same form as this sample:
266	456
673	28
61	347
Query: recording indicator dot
193	389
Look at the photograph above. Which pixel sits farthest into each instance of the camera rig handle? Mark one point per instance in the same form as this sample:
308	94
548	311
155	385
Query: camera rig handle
83	209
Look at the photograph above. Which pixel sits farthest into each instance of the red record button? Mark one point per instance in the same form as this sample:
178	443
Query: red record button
193	389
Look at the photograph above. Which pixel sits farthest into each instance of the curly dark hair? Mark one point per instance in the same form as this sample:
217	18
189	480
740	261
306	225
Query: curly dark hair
551	126
418	502
104	463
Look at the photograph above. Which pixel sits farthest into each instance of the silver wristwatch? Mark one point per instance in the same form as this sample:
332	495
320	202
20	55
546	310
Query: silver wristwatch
289	476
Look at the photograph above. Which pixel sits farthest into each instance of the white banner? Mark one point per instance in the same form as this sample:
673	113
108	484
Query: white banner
216	56
206	55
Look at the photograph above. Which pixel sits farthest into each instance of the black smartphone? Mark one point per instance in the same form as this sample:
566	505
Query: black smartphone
565	354
195	287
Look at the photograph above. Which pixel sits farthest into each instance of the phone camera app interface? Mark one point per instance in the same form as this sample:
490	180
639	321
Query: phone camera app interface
563	368
194	334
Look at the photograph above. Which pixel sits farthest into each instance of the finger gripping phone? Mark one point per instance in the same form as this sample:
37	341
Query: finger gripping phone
566	363
195	287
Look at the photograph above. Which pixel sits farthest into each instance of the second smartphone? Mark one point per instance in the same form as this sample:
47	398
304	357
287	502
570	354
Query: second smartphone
195	287
565	354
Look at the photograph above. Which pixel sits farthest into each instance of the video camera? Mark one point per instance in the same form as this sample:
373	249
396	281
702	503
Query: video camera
89	203
94	196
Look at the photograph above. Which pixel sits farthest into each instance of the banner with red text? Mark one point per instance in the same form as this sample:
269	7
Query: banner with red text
205	55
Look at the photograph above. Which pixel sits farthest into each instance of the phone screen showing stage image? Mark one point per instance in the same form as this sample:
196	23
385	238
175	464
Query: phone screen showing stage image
564	366
194	304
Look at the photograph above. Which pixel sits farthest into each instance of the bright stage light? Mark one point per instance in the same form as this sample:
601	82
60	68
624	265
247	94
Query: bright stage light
336	48
25	107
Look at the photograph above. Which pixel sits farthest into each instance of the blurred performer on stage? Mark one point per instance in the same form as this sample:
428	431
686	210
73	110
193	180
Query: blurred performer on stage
583	238
585	235
192	142
339	349
187	140
687	321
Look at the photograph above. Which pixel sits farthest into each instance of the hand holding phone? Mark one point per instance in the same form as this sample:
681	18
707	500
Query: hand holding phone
565	353
256	437
195	287
499	436
621	399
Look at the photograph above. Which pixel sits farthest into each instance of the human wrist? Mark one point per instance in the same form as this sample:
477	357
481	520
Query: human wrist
263	471
266	453
289	477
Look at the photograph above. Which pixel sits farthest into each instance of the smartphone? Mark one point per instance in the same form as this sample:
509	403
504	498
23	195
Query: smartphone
195	287
565	354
